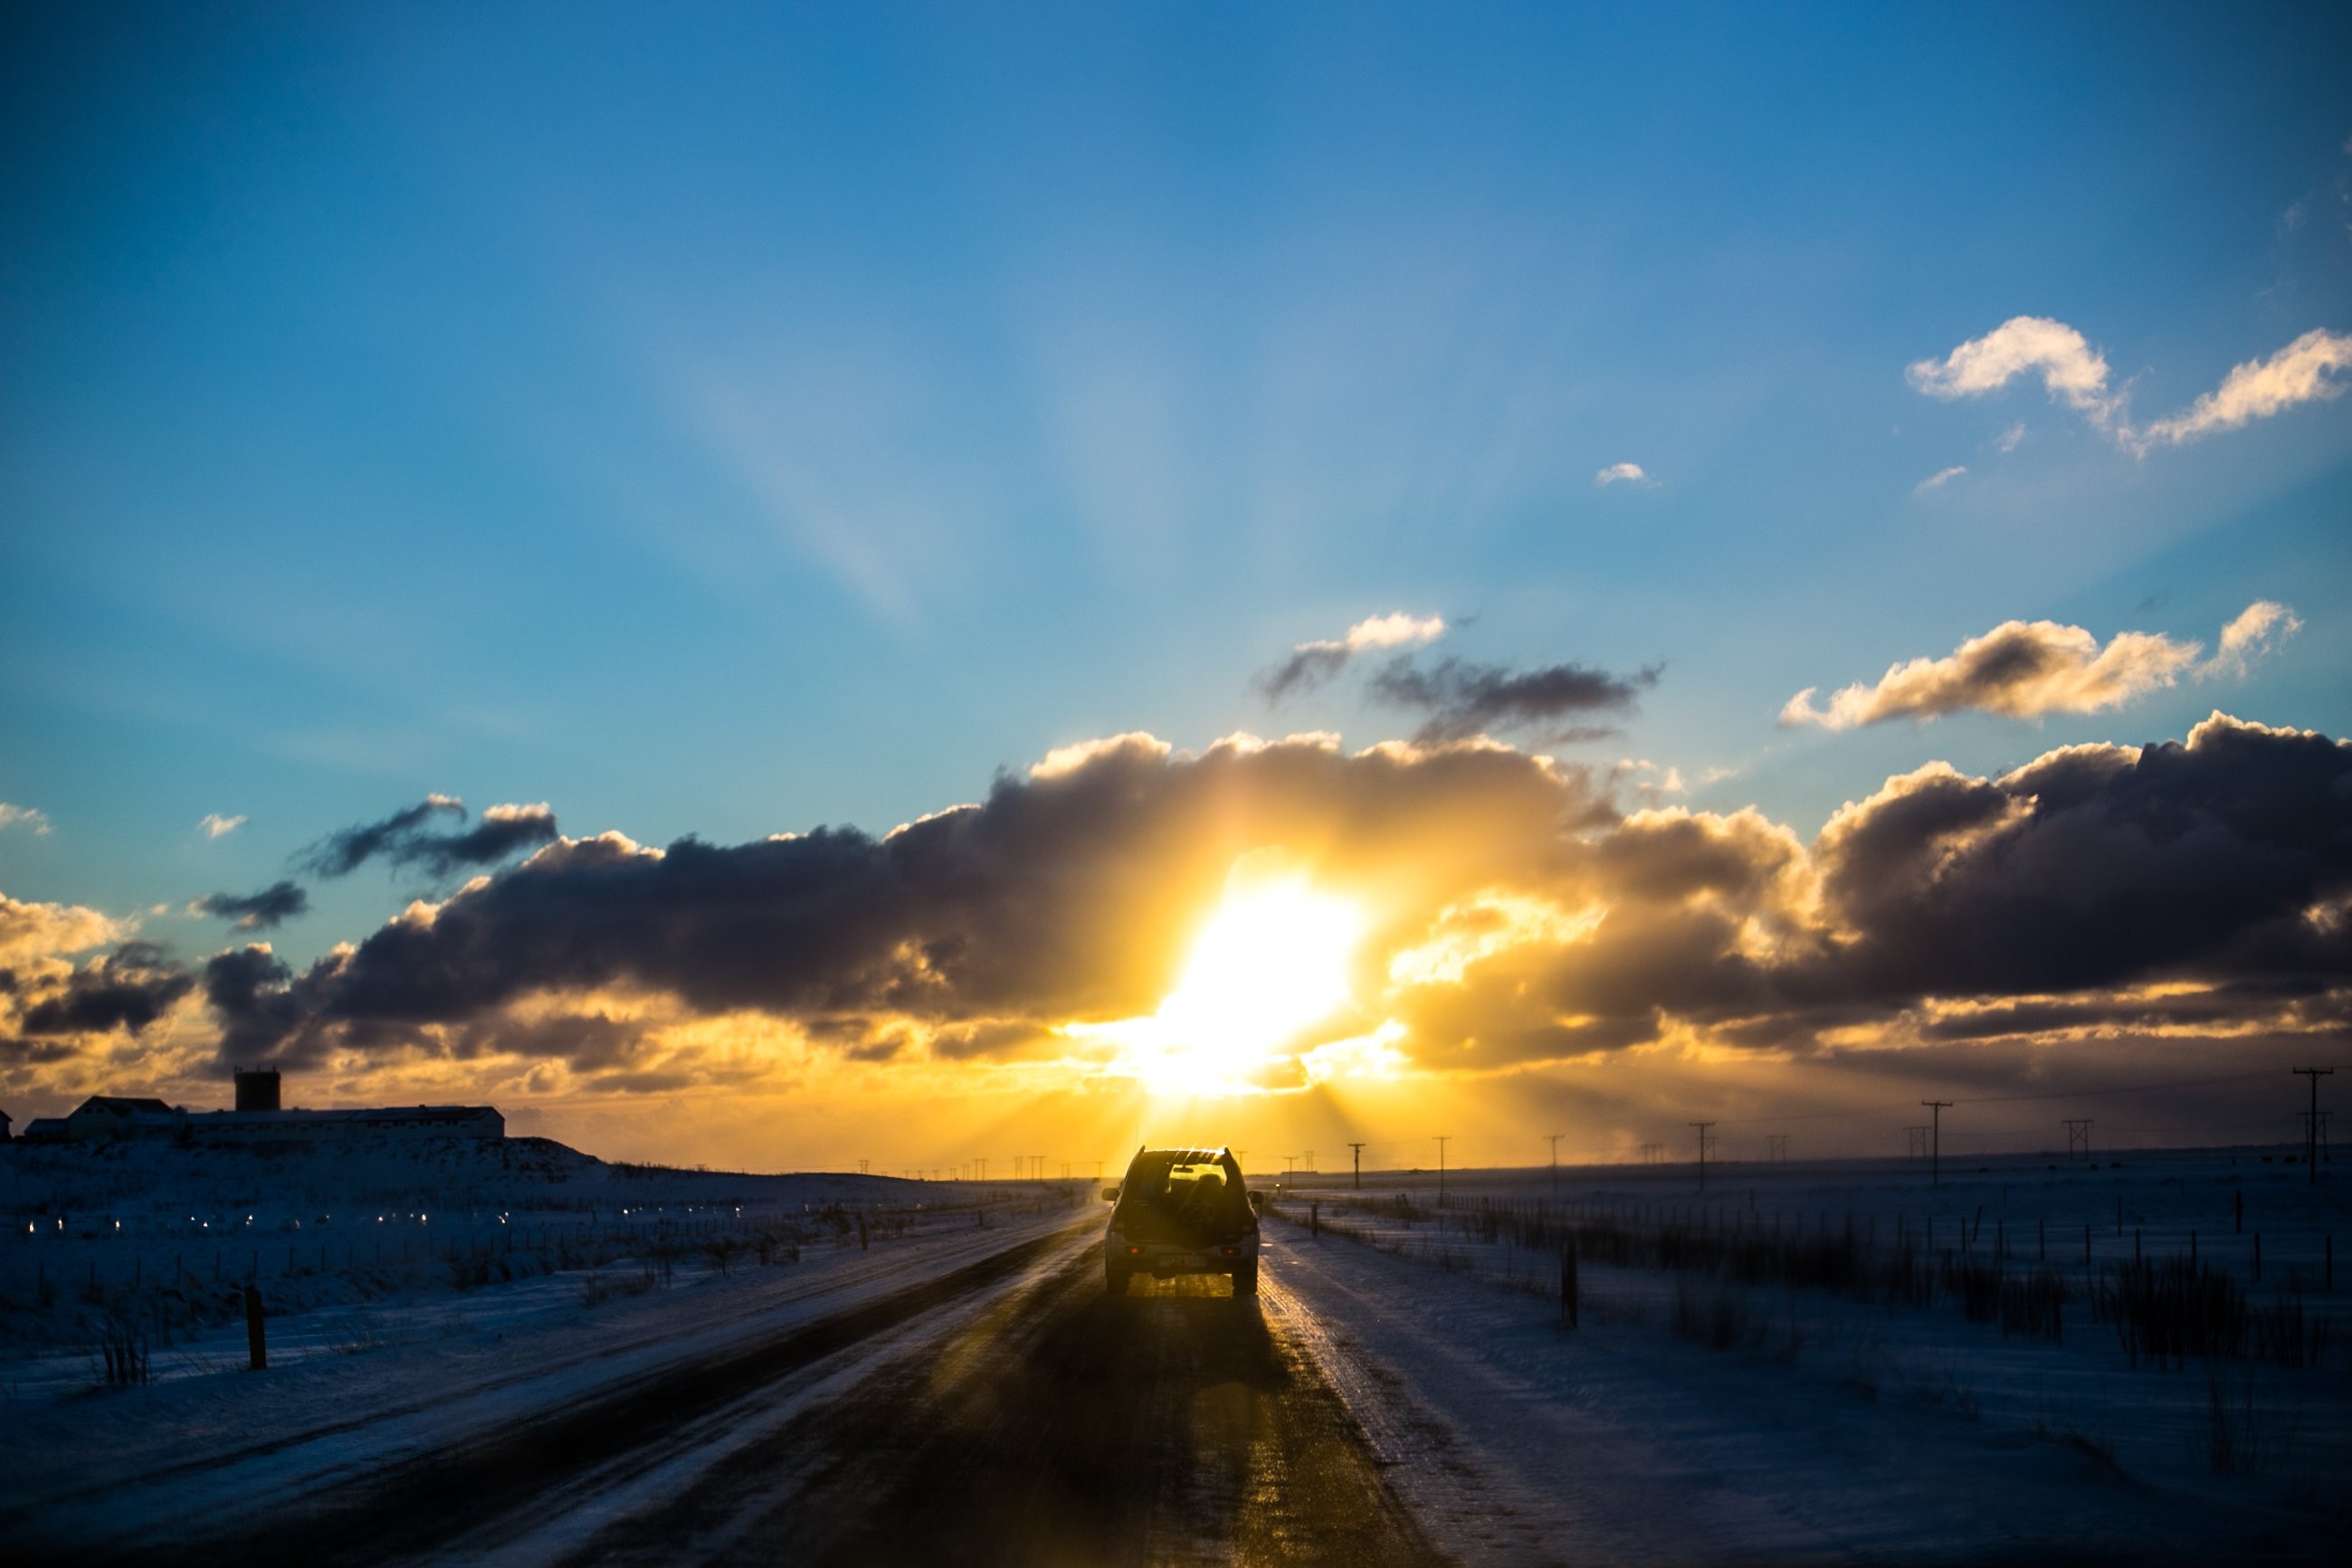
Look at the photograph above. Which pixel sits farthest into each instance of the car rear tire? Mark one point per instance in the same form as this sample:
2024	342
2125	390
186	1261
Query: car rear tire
1246	1279
1115	1281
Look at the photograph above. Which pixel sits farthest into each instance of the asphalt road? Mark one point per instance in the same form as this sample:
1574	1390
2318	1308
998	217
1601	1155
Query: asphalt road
1007	1412
1062	1426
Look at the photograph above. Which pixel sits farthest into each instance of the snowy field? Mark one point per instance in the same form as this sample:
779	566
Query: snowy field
1835	1362
1846	1336
129	1262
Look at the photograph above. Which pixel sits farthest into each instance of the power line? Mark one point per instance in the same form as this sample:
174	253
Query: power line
1936	1140
2124	1089
2002	1099
2311	1128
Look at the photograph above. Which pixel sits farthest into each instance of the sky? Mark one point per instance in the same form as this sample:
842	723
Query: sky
1533	571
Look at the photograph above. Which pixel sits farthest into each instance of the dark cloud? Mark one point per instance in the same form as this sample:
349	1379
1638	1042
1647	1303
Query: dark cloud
1465	700
263	911
1312	663
405	839
2213	864
248	989
1068	893
1309	665
2182	886
129	989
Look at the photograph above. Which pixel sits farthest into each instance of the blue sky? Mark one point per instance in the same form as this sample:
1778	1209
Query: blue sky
720	422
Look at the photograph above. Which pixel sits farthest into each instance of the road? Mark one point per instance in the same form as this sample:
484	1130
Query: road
1005	1411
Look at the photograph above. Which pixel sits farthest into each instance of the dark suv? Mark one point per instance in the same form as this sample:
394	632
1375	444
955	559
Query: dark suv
1181	1211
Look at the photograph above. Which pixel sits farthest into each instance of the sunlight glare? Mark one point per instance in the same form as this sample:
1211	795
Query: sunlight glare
1271	961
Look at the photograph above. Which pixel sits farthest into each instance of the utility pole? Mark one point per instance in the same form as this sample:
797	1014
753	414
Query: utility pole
1310	1161
2311	1128
1289	1163
1440	1167
1915	1142
1701	1127
1555	1139
1776	1148
1359	1164
2078	1136
1936	1140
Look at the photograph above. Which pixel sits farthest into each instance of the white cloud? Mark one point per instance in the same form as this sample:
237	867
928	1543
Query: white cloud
1312	663
2305	370
37	934
2025	669
1622	474
2299	374
2074	373
23	817
1396	630
2012	438
215	826
2257	630
1938	480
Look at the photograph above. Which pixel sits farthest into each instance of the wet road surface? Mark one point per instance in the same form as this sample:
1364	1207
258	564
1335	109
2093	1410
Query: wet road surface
1063	1427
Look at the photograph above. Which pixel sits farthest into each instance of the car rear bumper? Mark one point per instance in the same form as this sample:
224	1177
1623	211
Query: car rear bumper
1165	1259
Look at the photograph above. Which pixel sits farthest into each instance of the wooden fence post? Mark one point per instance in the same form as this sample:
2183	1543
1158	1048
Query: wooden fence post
256	1338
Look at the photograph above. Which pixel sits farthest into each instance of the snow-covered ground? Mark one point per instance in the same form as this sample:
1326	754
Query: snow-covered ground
121	1471
1694	1416
389	1243
1784	1368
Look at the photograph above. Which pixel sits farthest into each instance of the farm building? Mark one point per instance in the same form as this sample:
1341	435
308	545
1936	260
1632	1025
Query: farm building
105	1118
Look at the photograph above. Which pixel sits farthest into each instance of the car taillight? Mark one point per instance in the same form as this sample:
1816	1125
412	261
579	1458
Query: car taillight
1135	1251
1233	1251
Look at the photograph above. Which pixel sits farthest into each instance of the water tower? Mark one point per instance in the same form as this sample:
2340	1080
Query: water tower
257	1089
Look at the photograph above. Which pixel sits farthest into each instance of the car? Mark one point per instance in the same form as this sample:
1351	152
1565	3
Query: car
1181	1211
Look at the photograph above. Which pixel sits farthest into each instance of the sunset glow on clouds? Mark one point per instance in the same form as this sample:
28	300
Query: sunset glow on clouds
1271	918
821	584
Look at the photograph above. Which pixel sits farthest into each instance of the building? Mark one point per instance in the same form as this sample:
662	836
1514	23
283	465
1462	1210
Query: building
257	1089
4	1126
102	1118
108	1118
479	1123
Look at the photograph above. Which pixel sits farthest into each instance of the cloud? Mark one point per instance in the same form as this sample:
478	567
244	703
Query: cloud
404	839
1622	474
1065	895
1939	479
2025	669
23	817
1464	700
2254	633
215	826
1312	663
2073	371
2301	373
2012	438
2305	370
32	934
129	990
1514	915
272	906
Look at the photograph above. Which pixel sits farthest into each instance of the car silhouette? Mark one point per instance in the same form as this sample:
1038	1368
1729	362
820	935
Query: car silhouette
1181	1211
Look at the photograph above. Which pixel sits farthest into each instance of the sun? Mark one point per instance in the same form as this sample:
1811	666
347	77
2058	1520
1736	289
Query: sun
1270	962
